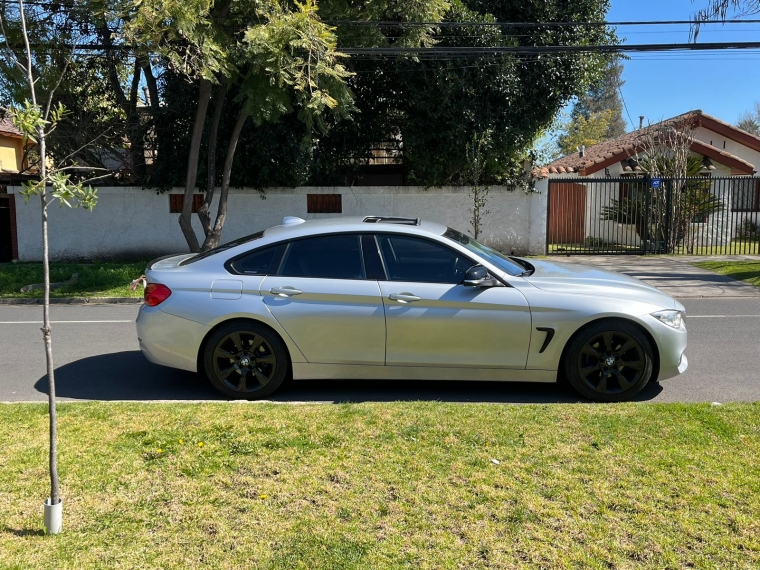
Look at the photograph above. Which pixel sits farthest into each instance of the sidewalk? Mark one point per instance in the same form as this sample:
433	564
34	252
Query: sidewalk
673	275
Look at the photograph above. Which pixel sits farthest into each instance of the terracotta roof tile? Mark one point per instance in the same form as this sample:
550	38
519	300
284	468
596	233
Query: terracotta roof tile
8	128
626	146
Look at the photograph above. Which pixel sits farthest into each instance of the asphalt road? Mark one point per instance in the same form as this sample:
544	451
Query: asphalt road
97	358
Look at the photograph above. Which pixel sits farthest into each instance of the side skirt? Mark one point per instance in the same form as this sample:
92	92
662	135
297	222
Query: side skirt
310	371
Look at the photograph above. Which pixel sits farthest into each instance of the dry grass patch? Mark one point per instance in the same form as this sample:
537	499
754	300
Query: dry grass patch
385	486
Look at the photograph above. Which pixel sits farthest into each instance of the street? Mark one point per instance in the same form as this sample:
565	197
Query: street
97	358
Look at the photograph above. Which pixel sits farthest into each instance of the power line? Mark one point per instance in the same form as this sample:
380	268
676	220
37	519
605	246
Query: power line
389	23
602	49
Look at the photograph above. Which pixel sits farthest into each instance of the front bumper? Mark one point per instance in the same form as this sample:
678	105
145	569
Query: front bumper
168	340
671	344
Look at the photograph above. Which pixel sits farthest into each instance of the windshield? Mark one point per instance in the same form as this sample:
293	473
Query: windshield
498	259
228	245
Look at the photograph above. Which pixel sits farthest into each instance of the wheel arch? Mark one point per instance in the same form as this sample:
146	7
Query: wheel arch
242	320
638	325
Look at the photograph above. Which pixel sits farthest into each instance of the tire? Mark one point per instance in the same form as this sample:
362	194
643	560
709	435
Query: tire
245	360
609	361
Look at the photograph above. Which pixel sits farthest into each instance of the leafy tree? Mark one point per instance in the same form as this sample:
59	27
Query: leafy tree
106	124
604	95
597	115
261	60
750	120
719	9
427	109
436	106
477	153
38	120
583	131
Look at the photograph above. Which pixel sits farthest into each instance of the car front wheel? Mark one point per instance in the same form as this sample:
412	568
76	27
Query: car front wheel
609	361
245	361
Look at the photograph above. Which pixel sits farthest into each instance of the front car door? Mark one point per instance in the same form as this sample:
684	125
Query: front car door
323	299
434	320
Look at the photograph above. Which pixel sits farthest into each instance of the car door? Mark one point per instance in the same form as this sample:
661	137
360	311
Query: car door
321	296
434	320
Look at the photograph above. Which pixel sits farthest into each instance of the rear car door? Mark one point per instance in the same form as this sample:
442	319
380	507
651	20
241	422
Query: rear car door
434	320
323	299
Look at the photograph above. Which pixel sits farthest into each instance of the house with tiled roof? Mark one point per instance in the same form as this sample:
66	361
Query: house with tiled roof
583	186
725	149
12	145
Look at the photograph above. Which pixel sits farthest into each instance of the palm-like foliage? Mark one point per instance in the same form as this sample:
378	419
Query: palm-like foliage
663	216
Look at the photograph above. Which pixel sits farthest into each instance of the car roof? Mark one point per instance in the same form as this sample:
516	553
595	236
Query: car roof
298	228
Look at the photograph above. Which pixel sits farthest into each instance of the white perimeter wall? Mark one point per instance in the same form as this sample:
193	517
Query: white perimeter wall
136	223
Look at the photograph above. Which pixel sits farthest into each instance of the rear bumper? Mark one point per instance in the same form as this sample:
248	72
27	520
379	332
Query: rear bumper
168	340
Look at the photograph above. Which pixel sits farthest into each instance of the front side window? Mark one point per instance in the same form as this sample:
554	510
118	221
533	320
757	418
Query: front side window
498	259
421	260
328	257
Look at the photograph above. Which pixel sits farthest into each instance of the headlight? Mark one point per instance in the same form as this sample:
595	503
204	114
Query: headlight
670	318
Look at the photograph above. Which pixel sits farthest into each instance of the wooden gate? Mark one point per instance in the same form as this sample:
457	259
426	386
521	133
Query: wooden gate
567	213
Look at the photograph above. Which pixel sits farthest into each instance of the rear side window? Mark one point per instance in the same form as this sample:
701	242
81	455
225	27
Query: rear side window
223	247
264	261
328	257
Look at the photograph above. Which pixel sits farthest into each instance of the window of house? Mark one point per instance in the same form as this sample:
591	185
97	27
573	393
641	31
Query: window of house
324	203
176	201
746	195
327	257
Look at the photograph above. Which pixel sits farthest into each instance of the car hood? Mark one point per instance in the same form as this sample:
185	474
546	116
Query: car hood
581	280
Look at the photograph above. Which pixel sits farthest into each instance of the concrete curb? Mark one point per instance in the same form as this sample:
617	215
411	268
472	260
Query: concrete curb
74	301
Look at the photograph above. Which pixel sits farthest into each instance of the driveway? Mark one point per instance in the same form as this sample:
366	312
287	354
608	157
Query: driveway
673	275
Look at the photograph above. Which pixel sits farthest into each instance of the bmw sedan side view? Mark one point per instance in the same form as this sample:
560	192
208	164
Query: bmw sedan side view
398	298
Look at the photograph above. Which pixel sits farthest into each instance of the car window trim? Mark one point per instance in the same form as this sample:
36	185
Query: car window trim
232	271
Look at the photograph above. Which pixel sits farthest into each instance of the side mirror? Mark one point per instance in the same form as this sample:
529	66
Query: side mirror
477	276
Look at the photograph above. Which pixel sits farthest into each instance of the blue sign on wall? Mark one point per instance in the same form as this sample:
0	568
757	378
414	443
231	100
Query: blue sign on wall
656	183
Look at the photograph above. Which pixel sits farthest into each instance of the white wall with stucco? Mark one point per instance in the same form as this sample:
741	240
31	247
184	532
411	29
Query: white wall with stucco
136	223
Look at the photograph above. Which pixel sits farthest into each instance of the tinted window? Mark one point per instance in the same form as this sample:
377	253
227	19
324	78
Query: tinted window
329	257
498	259
260	262
415	259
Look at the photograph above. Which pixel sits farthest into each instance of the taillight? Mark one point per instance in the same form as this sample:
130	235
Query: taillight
155	294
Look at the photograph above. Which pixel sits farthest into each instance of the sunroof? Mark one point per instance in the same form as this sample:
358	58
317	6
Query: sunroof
392	220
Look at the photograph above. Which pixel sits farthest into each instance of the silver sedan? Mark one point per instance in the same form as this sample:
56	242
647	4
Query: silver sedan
399	298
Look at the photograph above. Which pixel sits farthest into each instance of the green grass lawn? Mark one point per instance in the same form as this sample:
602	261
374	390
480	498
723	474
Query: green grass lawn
95	279
385	486
747	271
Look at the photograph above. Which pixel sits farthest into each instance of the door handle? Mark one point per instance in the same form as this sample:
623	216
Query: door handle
285	291
404	297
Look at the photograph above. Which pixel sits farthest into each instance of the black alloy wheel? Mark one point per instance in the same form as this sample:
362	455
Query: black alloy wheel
245	360
609	361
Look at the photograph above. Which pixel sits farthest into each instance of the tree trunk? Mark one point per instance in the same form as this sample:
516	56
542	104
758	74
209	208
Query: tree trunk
137	144
47	331
203	212
185	218
216	234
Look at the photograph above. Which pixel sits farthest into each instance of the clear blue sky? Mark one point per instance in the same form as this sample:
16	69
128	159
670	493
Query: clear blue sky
658	86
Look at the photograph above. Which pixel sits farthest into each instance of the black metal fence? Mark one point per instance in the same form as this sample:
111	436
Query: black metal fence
688	216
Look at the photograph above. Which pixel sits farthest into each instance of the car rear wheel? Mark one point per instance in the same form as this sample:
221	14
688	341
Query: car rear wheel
609	361
245	361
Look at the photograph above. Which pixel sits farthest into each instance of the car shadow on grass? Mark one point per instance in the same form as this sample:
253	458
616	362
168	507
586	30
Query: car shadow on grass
129	376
